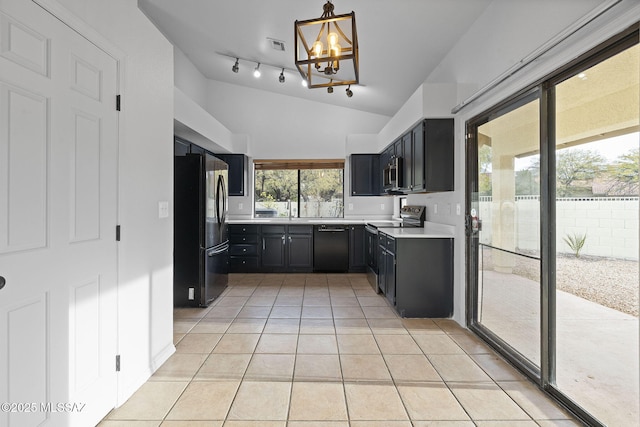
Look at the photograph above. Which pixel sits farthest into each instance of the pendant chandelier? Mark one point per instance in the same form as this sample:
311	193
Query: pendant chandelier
327	49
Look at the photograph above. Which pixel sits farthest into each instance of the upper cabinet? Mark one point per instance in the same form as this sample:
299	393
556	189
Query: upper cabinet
236	164
438	155
365	175
427	152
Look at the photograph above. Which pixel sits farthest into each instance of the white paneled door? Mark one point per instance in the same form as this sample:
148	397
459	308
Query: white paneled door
58	205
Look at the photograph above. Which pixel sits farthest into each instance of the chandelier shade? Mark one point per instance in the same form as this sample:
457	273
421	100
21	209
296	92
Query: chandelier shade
326	49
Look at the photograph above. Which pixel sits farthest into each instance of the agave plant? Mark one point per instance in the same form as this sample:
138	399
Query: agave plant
575	242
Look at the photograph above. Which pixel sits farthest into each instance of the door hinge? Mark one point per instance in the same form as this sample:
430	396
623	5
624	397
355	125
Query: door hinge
118	101
117	233
117	363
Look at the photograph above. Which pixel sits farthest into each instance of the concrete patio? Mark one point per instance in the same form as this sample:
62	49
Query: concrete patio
597	347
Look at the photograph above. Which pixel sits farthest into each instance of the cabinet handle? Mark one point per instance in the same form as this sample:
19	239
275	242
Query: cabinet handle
283	241
263	243
289	239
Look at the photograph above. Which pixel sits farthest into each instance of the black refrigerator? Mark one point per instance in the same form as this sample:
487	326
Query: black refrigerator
201	243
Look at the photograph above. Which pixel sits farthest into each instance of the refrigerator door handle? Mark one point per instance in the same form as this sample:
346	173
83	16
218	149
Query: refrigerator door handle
219	194
218	251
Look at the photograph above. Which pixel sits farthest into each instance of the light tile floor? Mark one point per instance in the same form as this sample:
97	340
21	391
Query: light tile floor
296	350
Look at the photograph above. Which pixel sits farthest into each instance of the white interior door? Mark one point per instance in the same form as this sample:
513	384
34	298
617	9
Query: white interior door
58	204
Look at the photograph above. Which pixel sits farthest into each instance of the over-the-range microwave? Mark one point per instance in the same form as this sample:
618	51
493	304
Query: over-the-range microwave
392	175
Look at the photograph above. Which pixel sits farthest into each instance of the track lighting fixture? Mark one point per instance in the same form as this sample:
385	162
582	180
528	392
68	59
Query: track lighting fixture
330	88
281	78
236	66
349	92
256	72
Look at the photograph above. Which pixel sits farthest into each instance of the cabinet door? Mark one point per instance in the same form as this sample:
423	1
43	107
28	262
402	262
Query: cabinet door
417	161
365	175
236	172
439	152
273	251
407	162
382	269
398	148
357	261
390	277
300	252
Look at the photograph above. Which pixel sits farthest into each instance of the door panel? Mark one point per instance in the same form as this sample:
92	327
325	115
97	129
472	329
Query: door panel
506	202
57	235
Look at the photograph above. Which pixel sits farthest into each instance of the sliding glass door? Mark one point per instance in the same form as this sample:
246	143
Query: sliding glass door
506	210
596	246
553	232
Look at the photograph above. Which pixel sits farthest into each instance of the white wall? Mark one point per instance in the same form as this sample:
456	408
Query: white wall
280	126
189	79
145	292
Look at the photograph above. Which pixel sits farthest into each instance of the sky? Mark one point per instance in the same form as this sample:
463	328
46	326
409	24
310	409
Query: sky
610	148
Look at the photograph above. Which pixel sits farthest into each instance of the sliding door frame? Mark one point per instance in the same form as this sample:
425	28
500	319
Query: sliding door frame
545	375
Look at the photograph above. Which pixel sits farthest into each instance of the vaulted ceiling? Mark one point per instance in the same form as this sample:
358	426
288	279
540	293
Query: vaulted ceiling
401	42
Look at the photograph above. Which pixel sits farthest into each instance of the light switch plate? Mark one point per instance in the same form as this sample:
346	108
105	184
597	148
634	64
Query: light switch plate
163	209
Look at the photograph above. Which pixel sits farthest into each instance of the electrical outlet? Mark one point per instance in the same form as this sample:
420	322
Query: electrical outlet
192	294
381	206
240	206
435	209
350	206
163	209
457	208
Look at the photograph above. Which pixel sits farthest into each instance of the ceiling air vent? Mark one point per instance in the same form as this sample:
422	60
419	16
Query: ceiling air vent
276	44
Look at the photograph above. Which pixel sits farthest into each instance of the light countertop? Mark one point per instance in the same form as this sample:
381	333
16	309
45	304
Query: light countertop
431	230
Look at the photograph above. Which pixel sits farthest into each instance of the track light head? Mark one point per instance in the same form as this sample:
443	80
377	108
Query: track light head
256	72
281	78
236	66
330	89
349	92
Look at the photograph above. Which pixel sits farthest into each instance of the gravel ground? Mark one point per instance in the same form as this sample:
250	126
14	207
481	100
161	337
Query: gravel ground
613	283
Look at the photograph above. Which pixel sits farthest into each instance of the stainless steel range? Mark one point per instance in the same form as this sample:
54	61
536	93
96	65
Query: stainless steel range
410	216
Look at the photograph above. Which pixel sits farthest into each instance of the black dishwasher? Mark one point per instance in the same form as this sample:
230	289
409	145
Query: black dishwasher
331	248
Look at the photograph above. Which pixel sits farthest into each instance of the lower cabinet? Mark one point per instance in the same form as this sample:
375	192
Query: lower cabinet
299	248
357	253
416	275
287	248
244	248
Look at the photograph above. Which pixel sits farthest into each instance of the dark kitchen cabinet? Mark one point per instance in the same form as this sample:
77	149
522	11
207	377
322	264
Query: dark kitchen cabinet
427	152
273	247
438	155
416	176
366	178
398	148
357	255
408	161
244	248
287	248
416	275
236	164
300	248
387	267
